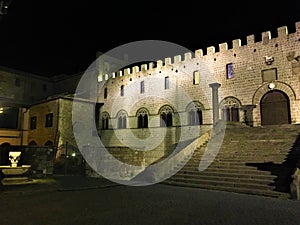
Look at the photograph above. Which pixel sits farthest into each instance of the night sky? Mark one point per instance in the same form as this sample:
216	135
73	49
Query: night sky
62	37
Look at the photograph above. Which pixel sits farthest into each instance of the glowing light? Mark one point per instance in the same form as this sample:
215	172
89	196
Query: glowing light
271	85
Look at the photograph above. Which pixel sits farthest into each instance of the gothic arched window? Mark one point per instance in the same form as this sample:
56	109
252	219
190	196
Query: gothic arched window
166	116
105	120
142	116
122	120
230	109
195	114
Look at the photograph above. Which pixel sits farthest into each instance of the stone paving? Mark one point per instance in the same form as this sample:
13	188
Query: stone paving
75	200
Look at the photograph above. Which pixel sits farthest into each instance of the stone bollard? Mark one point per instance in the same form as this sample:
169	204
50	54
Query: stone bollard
295	185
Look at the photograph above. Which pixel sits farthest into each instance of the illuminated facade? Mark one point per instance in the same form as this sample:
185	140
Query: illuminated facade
259	82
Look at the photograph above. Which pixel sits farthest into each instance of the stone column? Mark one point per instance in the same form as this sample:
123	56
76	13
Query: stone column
215	102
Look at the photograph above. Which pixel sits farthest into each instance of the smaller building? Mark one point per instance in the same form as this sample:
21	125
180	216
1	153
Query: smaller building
51	125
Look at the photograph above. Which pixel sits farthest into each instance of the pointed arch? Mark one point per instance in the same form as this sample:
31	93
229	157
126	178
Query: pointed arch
122	119
230	109
49	143
142	116
32	143
194	111
105	120
166	113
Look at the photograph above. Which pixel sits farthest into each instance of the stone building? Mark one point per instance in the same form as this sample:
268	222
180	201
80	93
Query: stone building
178	98
51	126
259	83
168	101
33	110
18	90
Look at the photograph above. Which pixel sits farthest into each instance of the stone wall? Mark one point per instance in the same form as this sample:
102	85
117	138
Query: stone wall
19	87
247	85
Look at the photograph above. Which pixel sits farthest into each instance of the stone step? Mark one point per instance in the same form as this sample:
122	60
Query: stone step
220	183
228	170
13	179
253	149
239	158
267	193
256	138
240	146
234	161
219	178
248	159
260	184
16	180
224	166
218	174
216	166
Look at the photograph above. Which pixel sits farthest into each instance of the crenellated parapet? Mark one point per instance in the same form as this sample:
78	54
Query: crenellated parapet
265	39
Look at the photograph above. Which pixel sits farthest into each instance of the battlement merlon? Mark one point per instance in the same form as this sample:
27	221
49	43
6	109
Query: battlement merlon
282	32
144	67
187	56
211	50
266	35
151	64
159	64
127	71
135	69
168	61
236	43
223	47
177	58
199	53
250	39
120	73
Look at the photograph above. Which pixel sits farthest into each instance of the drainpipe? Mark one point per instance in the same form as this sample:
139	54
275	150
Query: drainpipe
22	126
57	133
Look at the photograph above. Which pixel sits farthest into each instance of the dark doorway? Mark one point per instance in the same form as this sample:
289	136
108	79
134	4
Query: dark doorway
4	151
230	114
275	108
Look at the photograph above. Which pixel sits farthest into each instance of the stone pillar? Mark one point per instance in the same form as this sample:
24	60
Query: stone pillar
215	102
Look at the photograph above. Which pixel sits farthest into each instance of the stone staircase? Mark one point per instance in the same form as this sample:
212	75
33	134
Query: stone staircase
251	160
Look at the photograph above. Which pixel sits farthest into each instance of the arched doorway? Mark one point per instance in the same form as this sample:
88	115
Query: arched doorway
275	108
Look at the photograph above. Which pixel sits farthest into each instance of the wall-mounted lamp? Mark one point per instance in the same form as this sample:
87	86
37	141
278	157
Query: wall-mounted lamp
269	60
272	85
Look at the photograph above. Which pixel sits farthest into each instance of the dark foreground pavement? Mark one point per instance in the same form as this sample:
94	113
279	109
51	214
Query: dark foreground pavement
75	200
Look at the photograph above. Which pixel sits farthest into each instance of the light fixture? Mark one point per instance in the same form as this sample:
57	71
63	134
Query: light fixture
269	60
272	85
1	109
